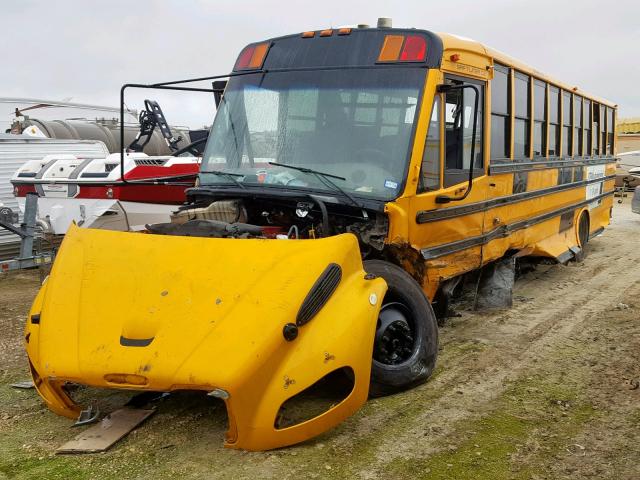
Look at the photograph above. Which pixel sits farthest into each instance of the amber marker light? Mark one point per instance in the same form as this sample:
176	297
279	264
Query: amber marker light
398	48
252	57
391	47
326	33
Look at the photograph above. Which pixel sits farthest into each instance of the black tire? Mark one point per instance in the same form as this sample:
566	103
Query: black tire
583	230
402	357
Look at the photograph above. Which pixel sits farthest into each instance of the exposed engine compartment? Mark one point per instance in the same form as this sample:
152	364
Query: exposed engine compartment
276	218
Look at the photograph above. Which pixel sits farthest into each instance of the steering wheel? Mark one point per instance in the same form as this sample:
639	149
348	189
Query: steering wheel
190	148
295	182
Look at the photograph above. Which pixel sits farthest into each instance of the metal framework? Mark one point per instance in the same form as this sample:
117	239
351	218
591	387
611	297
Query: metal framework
26	231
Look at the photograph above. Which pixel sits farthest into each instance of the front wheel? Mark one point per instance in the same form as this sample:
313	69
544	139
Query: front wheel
406	341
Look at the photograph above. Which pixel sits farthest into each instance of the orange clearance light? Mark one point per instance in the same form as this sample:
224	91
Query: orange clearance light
308	34
391	47
252	57
415	49
326	33
455	57
344	31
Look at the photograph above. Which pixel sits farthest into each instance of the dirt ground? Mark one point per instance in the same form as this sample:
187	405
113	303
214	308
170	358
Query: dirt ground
545	390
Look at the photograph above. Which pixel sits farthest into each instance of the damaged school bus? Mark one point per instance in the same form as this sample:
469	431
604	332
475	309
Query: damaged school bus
350	178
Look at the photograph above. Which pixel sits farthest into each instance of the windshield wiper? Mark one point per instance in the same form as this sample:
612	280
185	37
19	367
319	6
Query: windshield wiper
229	175
324	178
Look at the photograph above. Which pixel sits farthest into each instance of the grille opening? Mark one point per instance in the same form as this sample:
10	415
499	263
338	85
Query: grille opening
106	399
203	416
158	162
316	399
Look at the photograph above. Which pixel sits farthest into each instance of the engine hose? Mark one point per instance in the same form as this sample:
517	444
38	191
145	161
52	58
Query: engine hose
325	214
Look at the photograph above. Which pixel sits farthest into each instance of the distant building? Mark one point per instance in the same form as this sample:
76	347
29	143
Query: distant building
628	135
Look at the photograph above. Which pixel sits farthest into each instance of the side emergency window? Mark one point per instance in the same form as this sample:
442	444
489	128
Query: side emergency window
500	114
554	121
430	171
521	134
458	116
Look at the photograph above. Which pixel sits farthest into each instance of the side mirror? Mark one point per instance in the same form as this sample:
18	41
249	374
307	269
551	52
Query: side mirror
444	88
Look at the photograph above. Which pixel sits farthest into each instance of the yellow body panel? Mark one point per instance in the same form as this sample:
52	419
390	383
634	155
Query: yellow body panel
214	310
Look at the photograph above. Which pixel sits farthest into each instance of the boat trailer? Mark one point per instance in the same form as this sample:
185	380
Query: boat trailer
27	233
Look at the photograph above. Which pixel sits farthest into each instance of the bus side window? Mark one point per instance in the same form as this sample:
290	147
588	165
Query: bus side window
430	170
458	111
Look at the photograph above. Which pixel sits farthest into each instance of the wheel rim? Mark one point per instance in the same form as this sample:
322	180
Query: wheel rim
583	233
395	339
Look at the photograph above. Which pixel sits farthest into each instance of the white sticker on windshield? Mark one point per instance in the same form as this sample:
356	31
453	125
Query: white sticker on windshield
390	184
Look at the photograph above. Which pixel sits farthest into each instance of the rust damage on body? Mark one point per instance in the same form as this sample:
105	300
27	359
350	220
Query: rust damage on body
409	258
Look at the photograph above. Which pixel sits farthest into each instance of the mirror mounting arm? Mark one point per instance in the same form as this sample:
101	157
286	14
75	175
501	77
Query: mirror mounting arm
444	88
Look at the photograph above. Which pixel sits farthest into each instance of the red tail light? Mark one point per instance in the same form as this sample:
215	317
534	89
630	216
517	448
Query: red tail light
400	48
414	50
245	57
252	57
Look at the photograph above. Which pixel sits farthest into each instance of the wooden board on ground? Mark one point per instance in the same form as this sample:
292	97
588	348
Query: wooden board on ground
104	434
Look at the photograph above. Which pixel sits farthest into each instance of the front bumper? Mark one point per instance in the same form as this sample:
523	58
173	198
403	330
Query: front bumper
194	314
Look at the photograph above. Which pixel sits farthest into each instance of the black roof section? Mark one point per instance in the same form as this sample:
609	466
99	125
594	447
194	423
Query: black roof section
360	48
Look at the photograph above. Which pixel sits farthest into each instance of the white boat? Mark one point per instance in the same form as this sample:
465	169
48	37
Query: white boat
15	151
93	193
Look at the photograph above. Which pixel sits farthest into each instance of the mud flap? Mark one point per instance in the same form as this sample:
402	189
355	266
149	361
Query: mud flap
252	321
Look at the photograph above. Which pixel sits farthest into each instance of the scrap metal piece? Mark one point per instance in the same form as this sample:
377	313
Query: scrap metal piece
8	216
87	416
24	385
102	436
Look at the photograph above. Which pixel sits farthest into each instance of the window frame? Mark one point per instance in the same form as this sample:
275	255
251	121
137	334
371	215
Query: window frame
543	123
611	129
587	103
603	130
567	128
505	116
526	119
438	98
463	173
578	143
557	123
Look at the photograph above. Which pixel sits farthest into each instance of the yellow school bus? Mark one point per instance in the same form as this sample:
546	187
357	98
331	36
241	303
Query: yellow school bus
352	176
543	178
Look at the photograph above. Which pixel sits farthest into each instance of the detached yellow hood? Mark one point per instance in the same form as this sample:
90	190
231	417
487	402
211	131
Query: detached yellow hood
130	310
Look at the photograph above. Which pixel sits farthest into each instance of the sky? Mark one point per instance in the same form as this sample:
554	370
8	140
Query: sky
85	50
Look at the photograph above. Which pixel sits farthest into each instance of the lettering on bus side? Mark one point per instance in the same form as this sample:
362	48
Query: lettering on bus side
471	70
595	189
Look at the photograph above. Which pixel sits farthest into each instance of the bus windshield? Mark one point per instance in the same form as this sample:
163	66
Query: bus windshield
353	124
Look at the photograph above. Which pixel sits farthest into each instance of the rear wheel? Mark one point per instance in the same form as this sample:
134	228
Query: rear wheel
406	341
583	230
